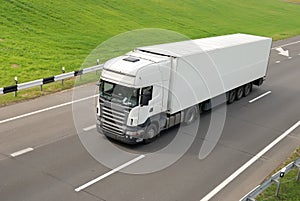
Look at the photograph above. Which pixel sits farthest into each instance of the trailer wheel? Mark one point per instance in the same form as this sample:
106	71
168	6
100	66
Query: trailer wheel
150	133
247	89
191	114
239	93
258	82
231	96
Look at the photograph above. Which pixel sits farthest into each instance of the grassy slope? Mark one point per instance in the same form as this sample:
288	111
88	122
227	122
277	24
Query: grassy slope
290	188
42	36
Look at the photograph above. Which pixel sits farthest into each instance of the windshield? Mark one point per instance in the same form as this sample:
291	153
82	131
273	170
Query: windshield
118	93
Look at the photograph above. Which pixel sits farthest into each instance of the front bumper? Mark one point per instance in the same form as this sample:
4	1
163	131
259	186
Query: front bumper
122	138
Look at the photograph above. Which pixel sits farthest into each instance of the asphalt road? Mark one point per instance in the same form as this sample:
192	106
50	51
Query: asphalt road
59	163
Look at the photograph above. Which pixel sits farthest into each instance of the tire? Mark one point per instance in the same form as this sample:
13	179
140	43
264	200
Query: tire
150	133
258	82
231	96
239	93
191	114
247	89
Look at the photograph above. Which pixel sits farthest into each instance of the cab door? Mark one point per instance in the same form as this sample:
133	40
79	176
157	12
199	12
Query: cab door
150	102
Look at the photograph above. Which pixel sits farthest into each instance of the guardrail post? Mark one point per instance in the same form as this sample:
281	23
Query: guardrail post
278	187
16	81
298	174
98	62
63	71
41	87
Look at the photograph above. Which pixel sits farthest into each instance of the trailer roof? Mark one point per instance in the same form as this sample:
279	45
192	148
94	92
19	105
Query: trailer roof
184	48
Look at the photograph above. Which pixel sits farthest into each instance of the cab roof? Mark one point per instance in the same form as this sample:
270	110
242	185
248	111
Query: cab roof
130	63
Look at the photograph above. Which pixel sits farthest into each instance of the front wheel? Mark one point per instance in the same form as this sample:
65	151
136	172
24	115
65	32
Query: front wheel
150	133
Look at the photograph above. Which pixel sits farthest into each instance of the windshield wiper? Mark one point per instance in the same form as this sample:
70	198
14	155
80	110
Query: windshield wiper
106	96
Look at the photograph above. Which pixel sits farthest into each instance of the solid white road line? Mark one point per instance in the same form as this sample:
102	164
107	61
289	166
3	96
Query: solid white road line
255	99
23	151
286	45
89	128
277	62
249	163
109	173
45	109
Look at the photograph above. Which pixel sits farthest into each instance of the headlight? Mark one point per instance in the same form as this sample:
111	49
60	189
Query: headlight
134	133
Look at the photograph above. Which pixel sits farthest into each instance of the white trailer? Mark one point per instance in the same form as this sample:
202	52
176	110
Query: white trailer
155	87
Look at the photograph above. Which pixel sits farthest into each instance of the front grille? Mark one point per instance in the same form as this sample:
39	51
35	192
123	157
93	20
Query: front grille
114	117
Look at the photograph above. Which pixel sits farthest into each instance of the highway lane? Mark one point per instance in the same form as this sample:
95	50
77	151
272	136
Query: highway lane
282	80
59	163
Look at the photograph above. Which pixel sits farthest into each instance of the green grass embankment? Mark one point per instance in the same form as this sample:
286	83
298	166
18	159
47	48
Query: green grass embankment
38	37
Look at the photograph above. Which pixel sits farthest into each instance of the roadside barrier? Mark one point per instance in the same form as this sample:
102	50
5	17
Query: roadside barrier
274	179
41	82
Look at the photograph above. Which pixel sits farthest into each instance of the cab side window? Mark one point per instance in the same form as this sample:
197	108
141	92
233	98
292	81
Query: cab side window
146	95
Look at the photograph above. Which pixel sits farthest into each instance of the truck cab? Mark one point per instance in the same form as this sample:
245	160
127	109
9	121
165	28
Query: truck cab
132	91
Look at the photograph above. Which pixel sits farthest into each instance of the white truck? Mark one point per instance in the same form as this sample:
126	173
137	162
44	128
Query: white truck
156	87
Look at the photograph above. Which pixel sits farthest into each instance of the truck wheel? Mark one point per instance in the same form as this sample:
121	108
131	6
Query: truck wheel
150	133
231	96
239	93
258	82
247	89
191	114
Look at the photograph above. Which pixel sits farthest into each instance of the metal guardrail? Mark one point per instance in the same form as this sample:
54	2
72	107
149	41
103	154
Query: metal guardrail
41	82
274	179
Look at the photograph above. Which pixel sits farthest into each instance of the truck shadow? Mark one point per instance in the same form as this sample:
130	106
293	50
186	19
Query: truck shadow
167	136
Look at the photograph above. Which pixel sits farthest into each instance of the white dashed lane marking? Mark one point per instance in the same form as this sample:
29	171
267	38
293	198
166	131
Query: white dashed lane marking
255	99
109	173
23	151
